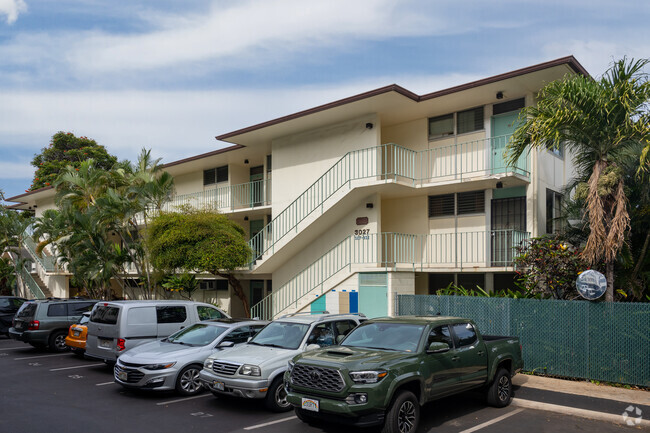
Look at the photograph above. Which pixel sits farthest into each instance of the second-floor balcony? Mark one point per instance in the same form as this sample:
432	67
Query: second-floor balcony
226	198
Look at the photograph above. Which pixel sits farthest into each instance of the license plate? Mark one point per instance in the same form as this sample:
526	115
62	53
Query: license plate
219	385
310	404
123	376
105	343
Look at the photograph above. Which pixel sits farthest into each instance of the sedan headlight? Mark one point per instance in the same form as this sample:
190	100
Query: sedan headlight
158	366
208	363
367	376
249	370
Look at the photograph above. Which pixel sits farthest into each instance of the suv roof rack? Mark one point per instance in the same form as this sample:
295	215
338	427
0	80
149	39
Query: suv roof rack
341	314
304	313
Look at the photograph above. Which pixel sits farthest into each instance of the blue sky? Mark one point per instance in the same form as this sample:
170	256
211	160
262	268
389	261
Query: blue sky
170	75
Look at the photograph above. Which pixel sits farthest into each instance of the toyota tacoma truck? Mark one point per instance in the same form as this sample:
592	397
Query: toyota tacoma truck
385	369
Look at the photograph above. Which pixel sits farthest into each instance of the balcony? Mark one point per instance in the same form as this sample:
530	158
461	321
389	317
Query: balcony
226	198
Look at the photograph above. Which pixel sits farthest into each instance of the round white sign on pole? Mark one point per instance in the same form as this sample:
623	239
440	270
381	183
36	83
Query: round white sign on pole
591	284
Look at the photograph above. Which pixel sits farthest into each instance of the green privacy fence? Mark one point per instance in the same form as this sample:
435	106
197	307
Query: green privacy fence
581	339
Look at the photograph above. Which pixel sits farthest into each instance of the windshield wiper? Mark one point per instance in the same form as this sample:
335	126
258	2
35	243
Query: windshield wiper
257	344
273	345
379	348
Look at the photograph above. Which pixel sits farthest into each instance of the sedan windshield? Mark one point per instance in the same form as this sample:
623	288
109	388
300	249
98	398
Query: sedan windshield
197	335
281	334
385	336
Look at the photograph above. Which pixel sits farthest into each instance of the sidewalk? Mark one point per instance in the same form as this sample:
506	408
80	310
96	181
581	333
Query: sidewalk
584	388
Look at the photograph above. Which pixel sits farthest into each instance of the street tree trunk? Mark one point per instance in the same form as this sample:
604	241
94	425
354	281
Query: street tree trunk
239	290
609	274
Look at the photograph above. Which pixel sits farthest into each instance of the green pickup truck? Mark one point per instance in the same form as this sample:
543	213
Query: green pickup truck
386	369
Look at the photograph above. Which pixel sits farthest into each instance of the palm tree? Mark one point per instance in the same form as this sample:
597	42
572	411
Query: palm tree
599	122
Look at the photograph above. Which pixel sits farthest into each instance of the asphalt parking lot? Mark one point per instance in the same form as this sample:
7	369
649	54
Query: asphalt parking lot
46	392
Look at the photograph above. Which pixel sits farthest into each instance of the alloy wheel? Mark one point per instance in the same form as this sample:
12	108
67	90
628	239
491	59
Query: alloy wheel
406	417
281	397
503	388
190	382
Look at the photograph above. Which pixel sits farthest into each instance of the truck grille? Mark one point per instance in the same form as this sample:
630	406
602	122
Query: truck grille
133	376
225	368
325	379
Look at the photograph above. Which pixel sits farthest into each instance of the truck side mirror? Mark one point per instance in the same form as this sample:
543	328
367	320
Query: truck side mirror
438	347
312	347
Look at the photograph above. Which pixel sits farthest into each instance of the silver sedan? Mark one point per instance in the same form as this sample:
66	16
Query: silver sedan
174	363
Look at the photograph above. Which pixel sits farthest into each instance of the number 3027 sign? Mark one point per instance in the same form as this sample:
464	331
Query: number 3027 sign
361	234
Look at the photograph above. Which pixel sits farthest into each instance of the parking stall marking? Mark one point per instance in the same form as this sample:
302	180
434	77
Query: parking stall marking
492	421
105	383
277	421
40	356
76	366
16	348
162	403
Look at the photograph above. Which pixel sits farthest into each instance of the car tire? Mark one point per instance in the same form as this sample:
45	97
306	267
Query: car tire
276	397
57	341
403	415
499	394
187	381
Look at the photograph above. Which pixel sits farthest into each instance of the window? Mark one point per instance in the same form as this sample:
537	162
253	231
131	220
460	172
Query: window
171	314
215	175
268	163
456	123
558	151
208	313
508	106
441	126
440	335
104	314
344	327
471	202
553	211
78	308
57	310
322	335
239	335
214	285
456	204
464	334
470	120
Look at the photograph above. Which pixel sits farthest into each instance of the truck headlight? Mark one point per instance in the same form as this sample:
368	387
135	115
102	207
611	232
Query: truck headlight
367	376
249	370
158	366
208	363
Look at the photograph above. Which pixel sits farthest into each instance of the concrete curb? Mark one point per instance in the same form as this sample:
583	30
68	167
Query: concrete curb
583	413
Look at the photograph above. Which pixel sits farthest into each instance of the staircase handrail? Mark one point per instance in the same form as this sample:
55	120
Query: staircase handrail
31	284
47	262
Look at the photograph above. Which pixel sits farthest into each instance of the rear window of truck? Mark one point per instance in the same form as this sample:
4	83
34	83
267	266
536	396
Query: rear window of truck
105	314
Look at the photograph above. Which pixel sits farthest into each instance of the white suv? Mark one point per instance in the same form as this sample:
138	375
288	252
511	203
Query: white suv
255	370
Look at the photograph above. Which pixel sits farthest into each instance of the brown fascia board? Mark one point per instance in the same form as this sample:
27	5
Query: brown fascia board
569	61
14	198
203	155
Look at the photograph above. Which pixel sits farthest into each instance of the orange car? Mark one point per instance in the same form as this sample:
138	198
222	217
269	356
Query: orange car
76	339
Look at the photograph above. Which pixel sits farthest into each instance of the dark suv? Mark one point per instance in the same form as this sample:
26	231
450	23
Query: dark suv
9	305
45	322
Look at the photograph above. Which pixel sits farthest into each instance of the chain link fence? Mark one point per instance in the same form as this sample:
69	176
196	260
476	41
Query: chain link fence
588	340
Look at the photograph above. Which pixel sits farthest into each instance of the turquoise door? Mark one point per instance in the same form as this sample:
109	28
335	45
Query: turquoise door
373	294
503	126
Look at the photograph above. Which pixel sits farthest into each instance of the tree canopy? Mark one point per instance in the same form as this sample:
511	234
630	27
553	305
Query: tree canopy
194	240
603	124
65	150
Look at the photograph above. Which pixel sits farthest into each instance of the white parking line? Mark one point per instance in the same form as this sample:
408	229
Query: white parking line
162	403
492	421
253	427
40	356
16	348
76	366
105	383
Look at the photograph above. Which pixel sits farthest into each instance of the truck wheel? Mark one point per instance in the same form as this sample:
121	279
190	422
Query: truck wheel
187	382
276	397
403	415
499	394
57	341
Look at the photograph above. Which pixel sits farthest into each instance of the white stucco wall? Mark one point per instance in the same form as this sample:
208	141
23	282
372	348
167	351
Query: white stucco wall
300	159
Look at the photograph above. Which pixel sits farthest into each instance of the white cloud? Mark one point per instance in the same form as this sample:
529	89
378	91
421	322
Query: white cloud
12	8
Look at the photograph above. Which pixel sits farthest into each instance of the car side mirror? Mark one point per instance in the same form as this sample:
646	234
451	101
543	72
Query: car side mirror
438	347
312	347
249	339
339	338
225	344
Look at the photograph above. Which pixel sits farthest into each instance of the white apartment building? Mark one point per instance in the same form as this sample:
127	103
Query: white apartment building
386	192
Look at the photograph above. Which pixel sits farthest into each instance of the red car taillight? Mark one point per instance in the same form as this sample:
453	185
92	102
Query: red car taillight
33	325
120	344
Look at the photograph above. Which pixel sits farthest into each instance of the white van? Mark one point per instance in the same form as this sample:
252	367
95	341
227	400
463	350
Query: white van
121	325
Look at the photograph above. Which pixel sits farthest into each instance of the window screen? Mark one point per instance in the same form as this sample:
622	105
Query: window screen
441	126
171	314
215	175
470	120
57	310
464	334
222	174
471	202
505	107
553	211
441	205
